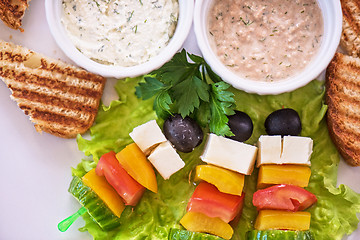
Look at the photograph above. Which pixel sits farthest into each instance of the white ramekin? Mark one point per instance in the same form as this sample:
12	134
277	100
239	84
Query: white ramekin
54	11
332	16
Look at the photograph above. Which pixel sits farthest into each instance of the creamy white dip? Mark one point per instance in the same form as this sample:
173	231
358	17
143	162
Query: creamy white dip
265	40
120	32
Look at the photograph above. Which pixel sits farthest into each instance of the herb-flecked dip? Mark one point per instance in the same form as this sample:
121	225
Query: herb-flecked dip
120	32
265	40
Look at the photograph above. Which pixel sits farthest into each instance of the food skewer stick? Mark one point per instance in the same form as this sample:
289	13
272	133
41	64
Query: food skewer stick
67	222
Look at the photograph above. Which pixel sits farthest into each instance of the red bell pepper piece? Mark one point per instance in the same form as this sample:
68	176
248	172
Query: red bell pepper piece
129	189
283	197
207	199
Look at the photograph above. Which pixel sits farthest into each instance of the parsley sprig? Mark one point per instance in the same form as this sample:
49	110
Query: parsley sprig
190	89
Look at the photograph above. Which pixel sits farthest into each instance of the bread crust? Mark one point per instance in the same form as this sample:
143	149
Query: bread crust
343	100
12	12
60	99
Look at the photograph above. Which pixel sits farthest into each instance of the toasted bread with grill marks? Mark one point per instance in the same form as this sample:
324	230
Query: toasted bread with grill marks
343	100
350	37
12	12
59	98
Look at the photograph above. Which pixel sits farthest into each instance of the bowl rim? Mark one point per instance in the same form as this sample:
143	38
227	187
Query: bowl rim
53	15
332	18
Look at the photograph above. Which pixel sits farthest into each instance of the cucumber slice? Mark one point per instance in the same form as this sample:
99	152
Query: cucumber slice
278	235
178	234
96	208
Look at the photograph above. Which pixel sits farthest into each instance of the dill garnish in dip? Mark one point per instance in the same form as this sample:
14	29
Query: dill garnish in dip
265	40
120	32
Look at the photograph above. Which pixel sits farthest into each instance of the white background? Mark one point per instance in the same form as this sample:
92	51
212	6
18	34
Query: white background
35	168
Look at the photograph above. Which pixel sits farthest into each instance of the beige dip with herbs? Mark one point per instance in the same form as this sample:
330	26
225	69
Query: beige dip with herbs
120	32
265	40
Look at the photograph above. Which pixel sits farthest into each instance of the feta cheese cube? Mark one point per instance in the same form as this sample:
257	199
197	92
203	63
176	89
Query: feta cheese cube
229	154
296	150
288	150
270	148
166	160
147	136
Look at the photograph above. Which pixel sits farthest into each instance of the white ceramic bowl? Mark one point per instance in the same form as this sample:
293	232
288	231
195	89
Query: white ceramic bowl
54	12
332	16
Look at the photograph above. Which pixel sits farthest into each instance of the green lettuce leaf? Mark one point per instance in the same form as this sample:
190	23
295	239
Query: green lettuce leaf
333	216
114	123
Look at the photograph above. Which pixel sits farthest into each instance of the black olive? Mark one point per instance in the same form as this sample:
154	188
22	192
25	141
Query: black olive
185	134
241	125
283	122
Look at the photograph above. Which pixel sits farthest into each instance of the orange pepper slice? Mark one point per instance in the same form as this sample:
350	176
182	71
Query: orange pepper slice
134	161
199	222
225	180
105	191
283	174
275	219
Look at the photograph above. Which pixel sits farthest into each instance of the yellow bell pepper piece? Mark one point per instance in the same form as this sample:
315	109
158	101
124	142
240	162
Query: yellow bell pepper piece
105	191
275	219
283	174
134	161
199	222
226	181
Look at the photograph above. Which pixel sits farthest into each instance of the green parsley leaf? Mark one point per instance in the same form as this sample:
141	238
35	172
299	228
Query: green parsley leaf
162	104
212	75
190	89
177	69
153	87
221	104
202	114
196	59
189	93
225	97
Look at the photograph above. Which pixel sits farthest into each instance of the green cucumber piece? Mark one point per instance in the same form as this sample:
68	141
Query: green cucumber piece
178	234
95	207
278	235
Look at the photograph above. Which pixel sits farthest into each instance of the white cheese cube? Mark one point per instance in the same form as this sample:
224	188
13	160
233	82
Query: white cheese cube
147	136
229	154
166	160
270	148
296	150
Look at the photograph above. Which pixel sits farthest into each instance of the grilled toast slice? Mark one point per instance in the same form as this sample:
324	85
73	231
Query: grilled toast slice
350	37
343	100
12	12
58	98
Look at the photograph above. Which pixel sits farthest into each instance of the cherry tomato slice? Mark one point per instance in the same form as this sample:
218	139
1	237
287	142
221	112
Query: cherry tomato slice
283	197
129	189
207	199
